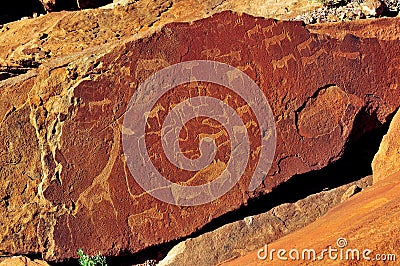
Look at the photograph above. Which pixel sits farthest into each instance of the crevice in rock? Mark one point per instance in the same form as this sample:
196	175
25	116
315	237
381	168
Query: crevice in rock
354	164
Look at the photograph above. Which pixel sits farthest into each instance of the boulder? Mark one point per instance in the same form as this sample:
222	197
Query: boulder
66	180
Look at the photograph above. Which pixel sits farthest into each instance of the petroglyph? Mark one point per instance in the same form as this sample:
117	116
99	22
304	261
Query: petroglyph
94	203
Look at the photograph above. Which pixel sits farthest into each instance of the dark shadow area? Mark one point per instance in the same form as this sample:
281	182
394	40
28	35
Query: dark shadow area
392	8
390	13
70	5
354	164
9	72
17	9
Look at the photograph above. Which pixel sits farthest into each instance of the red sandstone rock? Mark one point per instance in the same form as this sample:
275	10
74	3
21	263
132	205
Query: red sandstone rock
71	186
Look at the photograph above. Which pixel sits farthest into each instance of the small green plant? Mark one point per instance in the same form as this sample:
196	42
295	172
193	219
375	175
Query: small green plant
86	260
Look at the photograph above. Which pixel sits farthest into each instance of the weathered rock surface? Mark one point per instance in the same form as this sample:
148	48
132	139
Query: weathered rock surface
387	160
66	182
238	238
369	220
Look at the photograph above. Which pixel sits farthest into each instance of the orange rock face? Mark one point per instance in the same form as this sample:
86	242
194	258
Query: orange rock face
367	221
65	174
387	160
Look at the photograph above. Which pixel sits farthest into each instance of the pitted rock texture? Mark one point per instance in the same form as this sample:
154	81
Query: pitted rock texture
368	220
237	239
71	187
387	159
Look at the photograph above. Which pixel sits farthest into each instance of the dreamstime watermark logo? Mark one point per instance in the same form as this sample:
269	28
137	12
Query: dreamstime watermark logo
164	80
339	252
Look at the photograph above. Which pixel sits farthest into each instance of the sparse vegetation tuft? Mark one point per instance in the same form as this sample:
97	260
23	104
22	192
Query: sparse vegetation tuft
86	260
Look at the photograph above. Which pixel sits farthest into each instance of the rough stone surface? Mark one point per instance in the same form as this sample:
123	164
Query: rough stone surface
69	186
237	239
368	220
22	261
387	159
